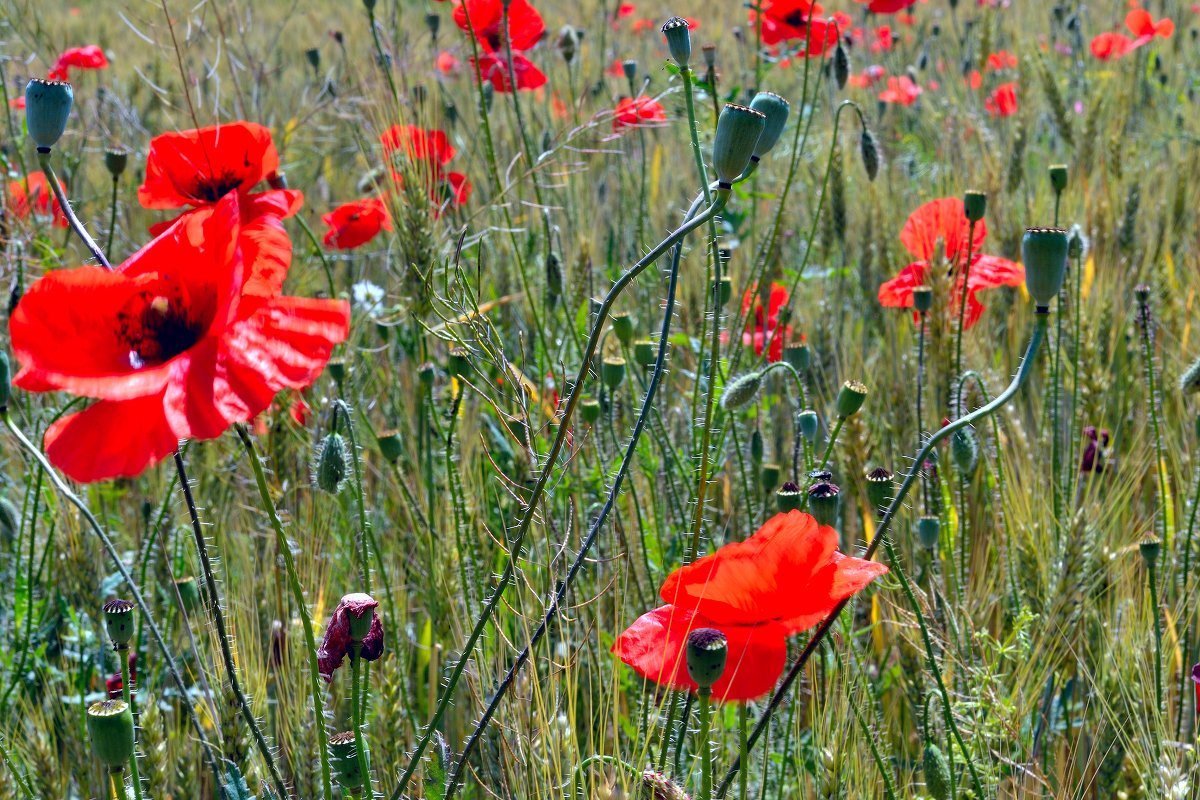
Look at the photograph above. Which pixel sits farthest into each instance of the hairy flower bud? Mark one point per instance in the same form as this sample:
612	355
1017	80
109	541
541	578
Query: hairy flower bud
741	390
330	466
937	772
964	448
841	66
869	149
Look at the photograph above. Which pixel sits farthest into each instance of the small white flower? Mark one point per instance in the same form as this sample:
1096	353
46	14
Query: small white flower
368	298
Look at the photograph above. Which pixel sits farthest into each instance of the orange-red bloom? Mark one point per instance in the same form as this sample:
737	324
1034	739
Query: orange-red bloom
354	224
494	69
868	77
89	57
760	330
1112	45
1002	102
901	90
784	579
798	21
888	6
633	112
173	344
34	196
430	150
1000	60
945	219
525	25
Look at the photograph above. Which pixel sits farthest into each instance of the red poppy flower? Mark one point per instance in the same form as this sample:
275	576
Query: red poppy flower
354	224
494	69
869	76
89	57
883	39
784	579
336	644
418	144
1111	45
446	62
633	112
1000	60
788	20
944	219
1141	24
172	344
200	166
888	6
974	80
640	25
525	25
1002	102
625	10
901	90
764	330
34	196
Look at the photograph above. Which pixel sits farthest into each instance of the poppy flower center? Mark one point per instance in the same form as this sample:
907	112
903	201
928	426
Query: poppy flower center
157	327
795	19
211	188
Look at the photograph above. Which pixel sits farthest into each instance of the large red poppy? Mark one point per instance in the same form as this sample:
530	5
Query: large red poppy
494	69
200	166
525	25
784	579
32	195
945	220
354	224
171	344
1002	102
632	112
89	57
760	329
788	20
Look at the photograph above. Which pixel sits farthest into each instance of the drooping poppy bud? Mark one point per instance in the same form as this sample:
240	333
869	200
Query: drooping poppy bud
756	446
922	298
823	501
741	391
1189	381
47	107
775	109
880	487
330	466
937	772
110	731
788	498
738	130
850	398
964	448
974	205
118	621
313	56
568	43
1044	251
5	381
841	66
679	40
707	649
657	786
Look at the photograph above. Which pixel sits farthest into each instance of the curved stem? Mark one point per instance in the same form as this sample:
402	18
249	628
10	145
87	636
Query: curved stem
68	212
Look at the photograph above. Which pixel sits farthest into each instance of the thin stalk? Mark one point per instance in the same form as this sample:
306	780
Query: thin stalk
962	305
1158	686
316	243
1159	466
384	63
68	212
1186	617
706	760
264	493
127	696
112	216
359	713
743	726
833	435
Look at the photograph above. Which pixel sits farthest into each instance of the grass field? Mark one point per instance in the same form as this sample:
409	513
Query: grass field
452	449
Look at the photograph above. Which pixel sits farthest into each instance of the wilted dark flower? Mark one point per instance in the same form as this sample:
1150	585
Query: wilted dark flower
1095	451
336	644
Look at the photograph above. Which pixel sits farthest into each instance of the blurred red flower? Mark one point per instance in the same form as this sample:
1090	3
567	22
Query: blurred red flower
430	151
34	196
494	69
901	90
784	579
888	6
525	25
798	21
354	224
89	57
759	330
1000	60
869	76
1112	45
172	344
1002	102
633	112
946	221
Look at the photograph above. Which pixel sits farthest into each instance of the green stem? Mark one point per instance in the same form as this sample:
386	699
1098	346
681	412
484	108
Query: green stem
359	712
68	212
383	60
743	730
706	760
1158	686
118	783
833	435
316	243
1159	466
962	305
112	223
123	657
285	549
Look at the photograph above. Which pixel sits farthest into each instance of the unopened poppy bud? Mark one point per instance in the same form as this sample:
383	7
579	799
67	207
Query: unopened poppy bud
738	130
880	487
679	40
426	373
974	205
1142	293
644	352
390	446
724	290
769	477
329	467
487	93
756	446
841	66
657	786
823	501
850	399
337	369
118	621
869	149
709	52
741	390
623	327
964	448
1077	244
775	109
612	371
922	298
345	759
314	58
707	649
807	422
1058	177
788	498
629	67
798	355
47	107
458	364
568	43
189	592
937	772
115	161
434	23
1150	546
110	731
929	531
5	381
1044	251
589	409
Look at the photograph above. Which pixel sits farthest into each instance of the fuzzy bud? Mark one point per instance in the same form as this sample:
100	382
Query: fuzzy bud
841	66
47	107
679	40
110	731
707	649
568	43
788	498
869	149
850	399
775	109
937	772
1189	381
738	131
823	501
741	391
330	465
964	449
1044	251
974	205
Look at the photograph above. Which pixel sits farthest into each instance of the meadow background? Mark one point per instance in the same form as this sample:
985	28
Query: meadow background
1037	597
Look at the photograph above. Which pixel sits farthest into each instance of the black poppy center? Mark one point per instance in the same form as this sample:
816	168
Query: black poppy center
211	188
796	19
157	327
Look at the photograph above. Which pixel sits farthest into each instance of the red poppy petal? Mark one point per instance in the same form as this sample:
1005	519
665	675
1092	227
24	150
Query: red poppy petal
989	272
111	439
288	341
282	203
898	292
945	219
841	578
267	255
196	167
759	579
1139	22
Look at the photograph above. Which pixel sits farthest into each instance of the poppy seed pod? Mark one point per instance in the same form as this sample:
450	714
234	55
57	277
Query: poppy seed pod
1077	244
974	205
337	369
929	531
788	498
115	161
644	352
707	649
738	131
741	391
589	409
629	67
47	106
709	52
1150	546
841	66
568	43
823	501
880	487
798	355
1142	293
922	298
806	421
679	40
623	327
756	446
1058	177
850	399
390	446
426	374
869	149
345	759
769	477
612	371
937	772
329	467
775	109
118	621
964	448
110	731
1044	251
314	58
369	5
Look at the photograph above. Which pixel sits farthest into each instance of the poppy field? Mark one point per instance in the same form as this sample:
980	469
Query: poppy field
504	399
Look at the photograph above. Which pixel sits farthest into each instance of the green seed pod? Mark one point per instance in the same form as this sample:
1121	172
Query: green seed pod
458	364
314	58
5	381
623	327
47	107
807	422
568	43
869	149
841	66
679	40
923	298
775	109
881	488
9	520
850	399
823	501
110	730
798	355
738	131
1142	293
964	449
741	390
788	498
115	161
769	476
118	621
330	465
756	446
369	5
707	650
612	371
345	759
1044	251
390	446
974	205
629	67
554	277
189	592
1058	177
1077	244
645	352
434	23
1150	546
337	369
937	773
589	409
929	531
724	291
